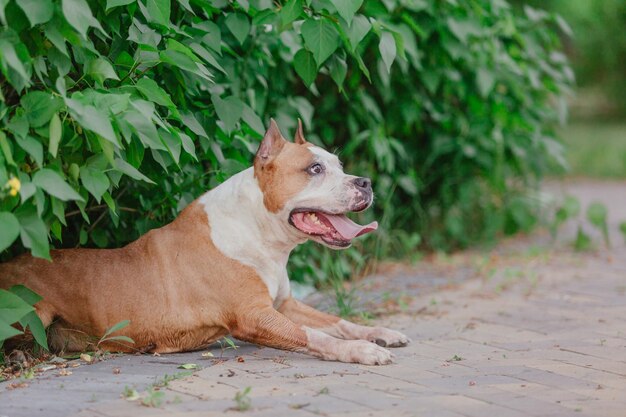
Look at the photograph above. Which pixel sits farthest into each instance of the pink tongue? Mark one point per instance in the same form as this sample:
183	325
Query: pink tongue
346	227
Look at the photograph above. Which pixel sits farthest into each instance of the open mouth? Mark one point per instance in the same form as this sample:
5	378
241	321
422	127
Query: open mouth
334	229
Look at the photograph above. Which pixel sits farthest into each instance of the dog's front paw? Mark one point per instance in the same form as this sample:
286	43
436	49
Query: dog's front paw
387	337
368	353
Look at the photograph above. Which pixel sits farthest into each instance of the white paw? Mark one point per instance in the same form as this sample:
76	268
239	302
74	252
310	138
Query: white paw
366	353
387	337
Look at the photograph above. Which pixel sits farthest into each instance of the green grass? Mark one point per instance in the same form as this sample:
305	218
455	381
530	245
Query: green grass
596	149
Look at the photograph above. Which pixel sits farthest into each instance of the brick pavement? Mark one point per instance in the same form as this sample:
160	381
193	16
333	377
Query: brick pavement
556	347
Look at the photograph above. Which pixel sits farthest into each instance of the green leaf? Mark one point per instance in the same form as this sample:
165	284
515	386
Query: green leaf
290	11
338	70
192	123
33	232
188	366
52	183
3	20
159	11
188	144
239	26
387	47
26	294
357	31
37	11
304	64
33	147
151	90
131	171
95	181
6	149
31	320
118	339
212	35
92	119
100	69
12	307
252	119
10	229
78	14
55	132
116	3
228	110
116	327
485	80
40	107
13	59
7	331
321	38
347	8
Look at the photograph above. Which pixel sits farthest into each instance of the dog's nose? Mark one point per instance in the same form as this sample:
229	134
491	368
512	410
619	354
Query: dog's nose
362	183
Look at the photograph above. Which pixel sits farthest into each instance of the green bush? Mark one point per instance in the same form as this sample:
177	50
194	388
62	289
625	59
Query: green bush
117	114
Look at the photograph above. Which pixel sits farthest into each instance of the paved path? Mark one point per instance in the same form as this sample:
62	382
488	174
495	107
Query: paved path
528	331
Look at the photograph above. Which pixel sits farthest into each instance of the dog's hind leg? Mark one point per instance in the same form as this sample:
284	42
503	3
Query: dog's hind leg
302	314
266	326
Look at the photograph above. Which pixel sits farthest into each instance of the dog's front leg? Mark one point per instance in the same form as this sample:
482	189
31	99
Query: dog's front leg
302	314
266	326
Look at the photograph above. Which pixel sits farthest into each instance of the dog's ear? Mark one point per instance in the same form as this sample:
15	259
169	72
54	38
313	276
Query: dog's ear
299	138
271	145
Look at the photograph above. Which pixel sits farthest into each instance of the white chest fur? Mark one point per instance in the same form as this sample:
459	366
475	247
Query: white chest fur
243	229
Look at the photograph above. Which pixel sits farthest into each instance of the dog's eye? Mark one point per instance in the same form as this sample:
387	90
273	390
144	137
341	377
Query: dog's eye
315	169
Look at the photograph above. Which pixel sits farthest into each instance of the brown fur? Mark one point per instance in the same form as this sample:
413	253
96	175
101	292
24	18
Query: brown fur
284	174
304	315
179	291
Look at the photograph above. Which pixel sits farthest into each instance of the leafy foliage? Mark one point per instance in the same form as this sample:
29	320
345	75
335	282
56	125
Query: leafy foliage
117	114
16	308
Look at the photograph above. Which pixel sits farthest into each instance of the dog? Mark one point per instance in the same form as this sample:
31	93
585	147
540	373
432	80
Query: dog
219	268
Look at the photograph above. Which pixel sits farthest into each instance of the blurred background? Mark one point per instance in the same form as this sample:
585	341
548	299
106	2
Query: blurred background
595	135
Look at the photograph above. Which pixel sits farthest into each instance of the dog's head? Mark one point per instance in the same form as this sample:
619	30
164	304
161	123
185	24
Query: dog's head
305	186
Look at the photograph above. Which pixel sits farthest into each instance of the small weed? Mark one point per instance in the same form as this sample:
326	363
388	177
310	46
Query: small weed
106	337
345	299
166	379
29	373
242	400
323	391
597	214
153	398
582	241
130	394
455	358
622	228
569	209
225	344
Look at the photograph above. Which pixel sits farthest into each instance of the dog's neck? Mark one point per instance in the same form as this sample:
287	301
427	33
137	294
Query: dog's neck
255	236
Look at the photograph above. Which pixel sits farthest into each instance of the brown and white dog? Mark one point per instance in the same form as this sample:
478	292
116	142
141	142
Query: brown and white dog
219	268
